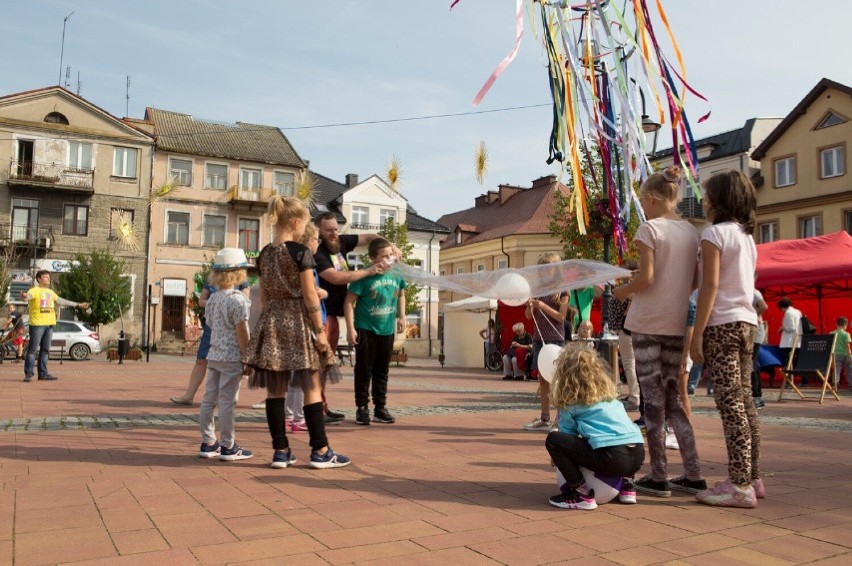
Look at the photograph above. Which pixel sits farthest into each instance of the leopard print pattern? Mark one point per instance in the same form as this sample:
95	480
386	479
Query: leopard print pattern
727	361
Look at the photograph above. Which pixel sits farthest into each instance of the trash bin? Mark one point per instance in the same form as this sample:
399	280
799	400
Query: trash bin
123	347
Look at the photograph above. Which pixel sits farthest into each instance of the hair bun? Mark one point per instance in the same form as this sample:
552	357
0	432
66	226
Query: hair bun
672	174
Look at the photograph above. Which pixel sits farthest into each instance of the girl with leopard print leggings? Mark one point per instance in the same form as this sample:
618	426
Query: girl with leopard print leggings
725	324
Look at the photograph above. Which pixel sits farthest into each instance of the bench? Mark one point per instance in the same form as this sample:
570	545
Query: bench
398	355
345	351
61	344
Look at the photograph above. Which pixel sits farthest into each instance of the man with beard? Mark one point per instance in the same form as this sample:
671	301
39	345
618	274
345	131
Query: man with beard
334	275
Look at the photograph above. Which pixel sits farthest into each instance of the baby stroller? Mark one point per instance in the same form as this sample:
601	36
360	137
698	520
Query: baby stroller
9	342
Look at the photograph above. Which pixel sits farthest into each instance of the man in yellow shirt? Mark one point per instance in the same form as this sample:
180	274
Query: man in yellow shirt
42	301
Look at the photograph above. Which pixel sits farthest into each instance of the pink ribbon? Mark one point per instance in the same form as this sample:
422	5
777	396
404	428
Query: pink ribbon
519	33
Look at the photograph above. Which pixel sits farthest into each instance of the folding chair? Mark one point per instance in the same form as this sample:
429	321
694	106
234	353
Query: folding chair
816	359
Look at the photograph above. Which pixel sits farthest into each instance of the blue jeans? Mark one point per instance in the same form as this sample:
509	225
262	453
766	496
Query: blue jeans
694	377
40	338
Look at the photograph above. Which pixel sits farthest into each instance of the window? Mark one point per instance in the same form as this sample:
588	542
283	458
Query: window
768	232
458	237
847	221
117	216
502	263
80	155
459	270
250	179
832	162
360	215
284	184
810	226
124	162
830	119
480	267
24	219
75	220
386	214
249	231
177	228
213	228
181	171
785	171
215	176
56	118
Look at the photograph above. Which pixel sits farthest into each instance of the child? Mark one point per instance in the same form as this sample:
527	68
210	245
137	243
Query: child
668	253
841	352
290	345
374	308
548	315
594	429
585	332
617	314
293	415
725	324
227	314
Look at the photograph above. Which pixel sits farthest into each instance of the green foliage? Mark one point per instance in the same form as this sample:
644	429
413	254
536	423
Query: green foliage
199	279
97	279
397	234
563	223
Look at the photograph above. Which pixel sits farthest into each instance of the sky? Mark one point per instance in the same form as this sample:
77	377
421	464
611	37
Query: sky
299	65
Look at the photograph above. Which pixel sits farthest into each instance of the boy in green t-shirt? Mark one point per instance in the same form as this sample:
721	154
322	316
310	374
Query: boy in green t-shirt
374	309
841	352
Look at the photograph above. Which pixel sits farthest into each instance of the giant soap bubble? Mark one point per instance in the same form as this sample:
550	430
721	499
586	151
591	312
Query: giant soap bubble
513	289
547	361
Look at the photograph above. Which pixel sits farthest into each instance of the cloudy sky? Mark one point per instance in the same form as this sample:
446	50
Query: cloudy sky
302	65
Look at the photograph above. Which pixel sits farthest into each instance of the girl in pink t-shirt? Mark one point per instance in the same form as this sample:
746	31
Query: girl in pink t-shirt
668	262
725	324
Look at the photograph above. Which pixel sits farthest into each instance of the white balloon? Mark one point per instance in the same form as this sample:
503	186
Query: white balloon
513	289
547	358
606	489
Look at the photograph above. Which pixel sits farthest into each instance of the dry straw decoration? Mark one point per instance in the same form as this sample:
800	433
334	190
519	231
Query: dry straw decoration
305	185
167	189
122	223
394	172
481	162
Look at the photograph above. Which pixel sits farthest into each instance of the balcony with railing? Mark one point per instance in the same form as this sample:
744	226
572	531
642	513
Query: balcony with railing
249	197
35	174
24	236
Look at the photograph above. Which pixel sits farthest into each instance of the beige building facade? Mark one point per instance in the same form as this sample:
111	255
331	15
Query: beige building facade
222	177
806	188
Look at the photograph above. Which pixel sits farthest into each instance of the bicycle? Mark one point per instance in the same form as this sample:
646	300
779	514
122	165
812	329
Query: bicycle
494	358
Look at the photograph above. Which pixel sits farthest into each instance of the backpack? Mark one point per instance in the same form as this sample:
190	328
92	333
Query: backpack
808	326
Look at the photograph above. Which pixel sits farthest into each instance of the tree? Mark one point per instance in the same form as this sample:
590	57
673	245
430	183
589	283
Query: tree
200	278
98	279
397	234
563	221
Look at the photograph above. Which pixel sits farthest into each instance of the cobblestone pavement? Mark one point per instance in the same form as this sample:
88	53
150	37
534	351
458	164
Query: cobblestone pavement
100	468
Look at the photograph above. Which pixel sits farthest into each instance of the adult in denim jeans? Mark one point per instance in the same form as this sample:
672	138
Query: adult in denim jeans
41	301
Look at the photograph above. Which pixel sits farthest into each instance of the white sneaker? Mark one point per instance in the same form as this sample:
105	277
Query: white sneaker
538	425
261	405
671	441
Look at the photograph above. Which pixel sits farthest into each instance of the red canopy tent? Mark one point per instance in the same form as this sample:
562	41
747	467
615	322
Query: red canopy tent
815	273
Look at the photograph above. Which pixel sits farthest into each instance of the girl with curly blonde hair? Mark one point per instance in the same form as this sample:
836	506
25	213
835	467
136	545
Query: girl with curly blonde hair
594	429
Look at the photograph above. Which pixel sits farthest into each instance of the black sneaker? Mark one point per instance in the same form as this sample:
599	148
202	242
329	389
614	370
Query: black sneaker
508	378
759	403
381	415
28	378
574	500
681	483
335	415
47	377
651	487
330	420
362	416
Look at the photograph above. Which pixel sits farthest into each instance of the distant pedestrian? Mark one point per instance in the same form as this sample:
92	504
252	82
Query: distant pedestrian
227	314
42	302
842	357
725	325
15	326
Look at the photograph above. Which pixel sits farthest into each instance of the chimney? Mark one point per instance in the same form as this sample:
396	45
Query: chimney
545	181
508	191
351	179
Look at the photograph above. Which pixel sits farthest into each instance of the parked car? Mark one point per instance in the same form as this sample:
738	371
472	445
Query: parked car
80	339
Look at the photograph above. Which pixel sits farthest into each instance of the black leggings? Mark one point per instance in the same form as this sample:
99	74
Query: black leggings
569	452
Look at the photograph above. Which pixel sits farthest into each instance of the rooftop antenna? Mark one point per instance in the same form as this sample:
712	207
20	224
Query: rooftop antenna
62	50
127	98
79	84
68	77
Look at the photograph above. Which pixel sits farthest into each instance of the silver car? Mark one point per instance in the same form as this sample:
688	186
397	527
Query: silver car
80	339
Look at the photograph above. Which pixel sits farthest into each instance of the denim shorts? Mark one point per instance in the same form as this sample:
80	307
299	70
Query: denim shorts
204	342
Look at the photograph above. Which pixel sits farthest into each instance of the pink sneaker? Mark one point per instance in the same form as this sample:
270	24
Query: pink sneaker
288	423
726	494
299	426
759	489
